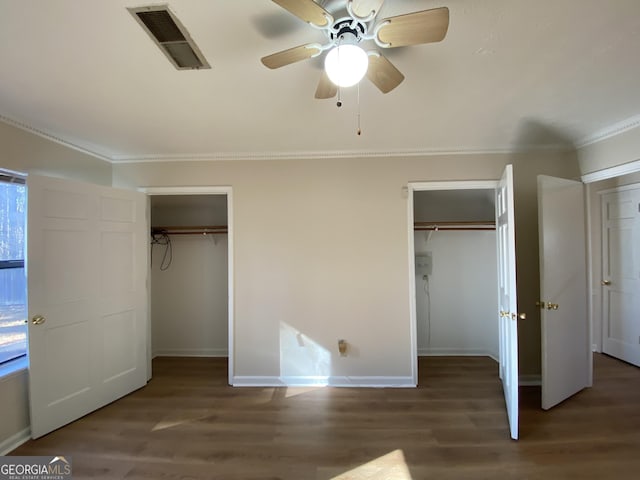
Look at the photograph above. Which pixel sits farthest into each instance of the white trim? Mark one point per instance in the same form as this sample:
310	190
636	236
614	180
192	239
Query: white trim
323	381
337	154
193	352
192	190
529	380
14	441
13	173
213	190
621	188
610	131
230	286
612	172
455	352
296	155
15	367
590	314
52	138
454	185
413	315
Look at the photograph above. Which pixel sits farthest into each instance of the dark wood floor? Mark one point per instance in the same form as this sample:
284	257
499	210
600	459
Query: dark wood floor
187	423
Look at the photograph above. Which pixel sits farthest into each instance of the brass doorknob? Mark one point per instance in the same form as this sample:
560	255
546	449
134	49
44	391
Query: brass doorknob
547	305
606	283
519	316
38	320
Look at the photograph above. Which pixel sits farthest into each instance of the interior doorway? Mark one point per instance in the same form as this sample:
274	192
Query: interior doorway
620	280
191	272
454	260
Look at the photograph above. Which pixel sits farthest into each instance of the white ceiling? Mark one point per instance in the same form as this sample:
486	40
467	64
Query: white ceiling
510	74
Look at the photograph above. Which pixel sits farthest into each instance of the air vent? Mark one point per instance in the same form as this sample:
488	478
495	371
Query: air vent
170	35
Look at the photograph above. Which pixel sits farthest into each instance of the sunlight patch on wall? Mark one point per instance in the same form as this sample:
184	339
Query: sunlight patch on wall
302	360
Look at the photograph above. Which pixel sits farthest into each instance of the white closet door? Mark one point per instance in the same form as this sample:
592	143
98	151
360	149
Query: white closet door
507	296
87	273
563	289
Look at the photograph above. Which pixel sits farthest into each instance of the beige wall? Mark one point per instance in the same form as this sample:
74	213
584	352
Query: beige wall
28	153
14	418
306	256
611	152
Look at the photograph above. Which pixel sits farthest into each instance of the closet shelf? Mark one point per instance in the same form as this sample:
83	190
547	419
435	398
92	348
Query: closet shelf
191	230
488	225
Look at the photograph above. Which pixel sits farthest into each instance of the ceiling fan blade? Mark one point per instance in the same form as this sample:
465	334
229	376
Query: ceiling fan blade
292	55
414	28
383	74
362	8
306	10
326	88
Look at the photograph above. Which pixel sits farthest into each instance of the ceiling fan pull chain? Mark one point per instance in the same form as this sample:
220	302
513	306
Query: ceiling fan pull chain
339	102
359	130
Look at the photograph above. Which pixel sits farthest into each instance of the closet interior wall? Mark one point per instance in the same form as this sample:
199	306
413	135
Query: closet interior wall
189	278
456	303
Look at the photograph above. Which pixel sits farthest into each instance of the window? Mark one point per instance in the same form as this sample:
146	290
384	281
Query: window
13	287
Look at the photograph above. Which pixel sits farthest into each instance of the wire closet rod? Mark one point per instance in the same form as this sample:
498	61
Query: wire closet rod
192	230
435	226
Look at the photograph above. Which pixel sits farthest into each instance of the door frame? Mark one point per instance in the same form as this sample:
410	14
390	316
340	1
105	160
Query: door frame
417	187
211	190
589	179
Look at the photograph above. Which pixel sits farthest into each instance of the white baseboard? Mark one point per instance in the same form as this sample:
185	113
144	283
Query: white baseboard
14	441
529	380
192	352
335	381
455	352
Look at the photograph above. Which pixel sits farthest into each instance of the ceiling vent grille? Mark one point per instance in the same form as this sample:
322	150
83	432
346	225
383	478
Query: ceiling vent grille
169	34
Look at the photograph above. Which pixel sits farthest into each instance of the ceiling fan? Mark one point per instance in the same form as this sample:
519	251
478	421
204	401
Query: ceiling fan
347	62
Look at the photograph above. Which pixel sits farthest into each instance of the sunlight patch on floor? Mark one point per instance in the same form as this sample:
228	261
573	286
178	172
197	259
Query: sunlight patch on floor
391	466
177	419
294	391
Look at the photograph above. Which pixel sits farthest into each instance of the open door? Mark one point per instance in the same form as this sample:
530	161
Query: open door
87	273
507	296
563	288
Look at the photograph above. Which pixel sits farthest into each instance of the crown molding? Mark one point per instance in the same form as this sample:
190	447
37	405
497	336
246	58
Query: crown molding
294	155
53	138
610	131
329	154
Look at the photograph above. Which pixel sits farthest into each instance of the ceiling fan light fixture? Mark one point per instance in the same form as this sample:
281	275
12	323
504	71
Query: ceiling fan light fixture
346	64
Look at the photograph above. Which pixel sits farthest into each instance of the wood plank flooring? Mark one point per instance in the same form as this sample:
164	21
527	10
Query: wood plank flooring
188	424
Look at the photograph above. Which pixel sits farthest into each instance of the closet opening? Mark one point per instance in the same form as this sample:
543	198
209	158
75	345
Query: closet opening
455	279
190	290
